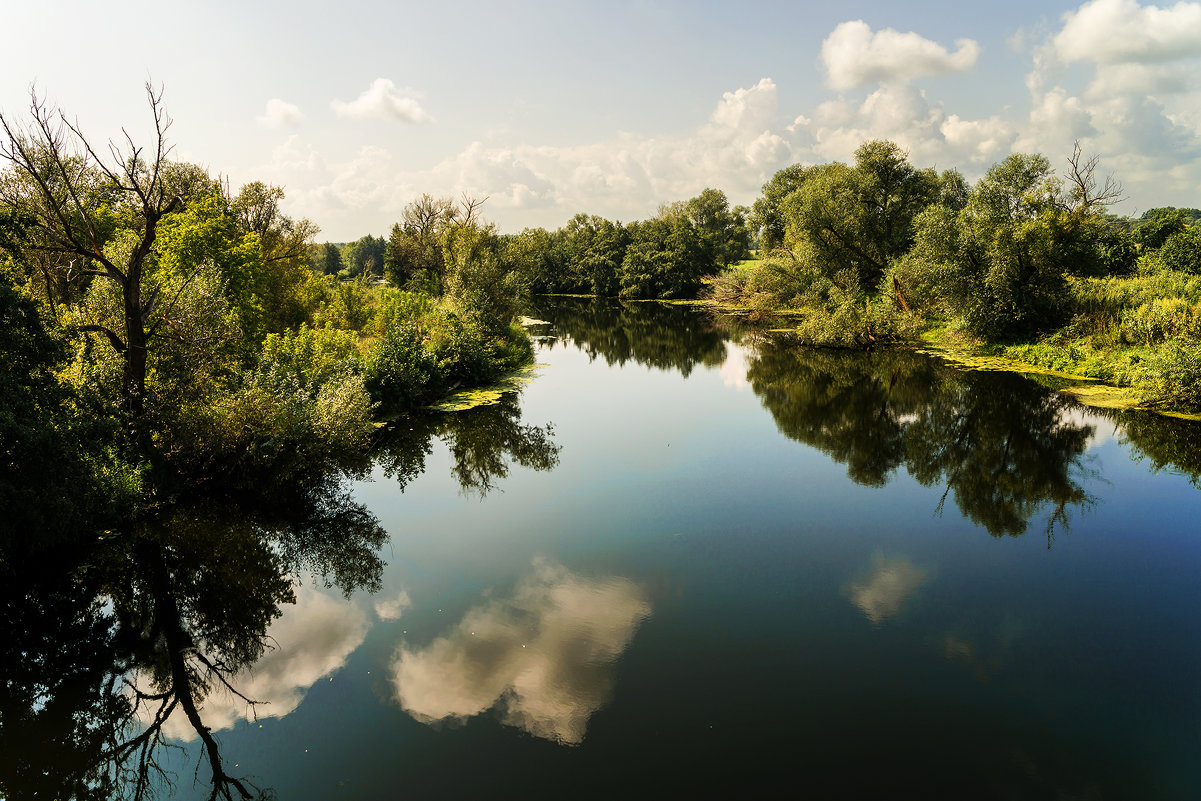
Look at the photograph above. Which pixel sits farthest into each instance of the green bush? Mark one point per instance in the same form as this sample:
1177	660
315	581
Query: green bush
313	355
399	370
1174	376
1182	251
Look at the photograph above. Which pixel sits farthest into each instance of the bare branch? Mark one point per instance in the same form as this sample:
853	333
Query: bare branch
1081	174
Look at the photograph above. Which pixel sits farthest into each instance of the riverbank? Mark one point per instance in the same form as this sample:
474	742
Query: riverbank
1117	342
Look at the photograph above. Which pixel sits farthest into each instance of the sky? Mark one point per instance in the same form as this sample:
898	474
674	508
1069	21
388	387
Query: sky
549	109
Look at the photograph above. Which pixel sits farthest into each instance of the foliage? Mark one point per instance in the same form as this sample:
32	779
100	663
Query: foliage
664	259
997	263
425	351
1157	225
313	355
766	218
327	260
1181	251
364	257
859	218
1174	378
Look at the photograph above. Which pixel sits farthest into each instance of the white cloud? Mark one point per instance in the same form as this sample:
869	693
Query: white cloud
1139	109
624	177
748	109
383	100
883	591
903	114
279	114
313	638
392	608
853	55
1122	31
543	657
1141	79
1142	119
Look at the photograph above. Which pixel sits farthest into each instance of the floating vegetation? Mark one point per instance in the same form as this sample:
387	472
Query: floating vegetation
489	395
1088	391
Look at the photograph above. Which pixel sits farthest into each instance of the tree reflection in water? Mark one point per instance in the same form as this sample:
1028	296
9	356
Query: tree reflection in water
1003	447
657	335
115	639
482	442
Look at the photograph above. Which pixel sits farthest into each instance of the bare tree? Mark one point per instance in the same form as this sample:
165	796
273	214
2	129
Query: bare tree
68	188
1087	197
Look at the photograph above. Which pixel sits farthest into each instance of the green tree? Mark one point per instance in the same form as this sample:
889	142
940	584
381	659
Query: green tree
1157	225
859	219
767	219
365	256
722	231
999	262
663	259
329	260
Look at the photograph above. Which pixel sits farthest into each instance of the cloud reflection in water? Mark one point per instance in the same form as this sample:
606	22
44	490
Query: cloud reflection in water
312	640
883	590
543	657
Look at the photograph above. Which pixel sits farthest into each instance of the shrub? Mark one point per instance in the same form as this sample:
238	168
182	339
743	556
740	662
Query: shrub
1174	375
313	355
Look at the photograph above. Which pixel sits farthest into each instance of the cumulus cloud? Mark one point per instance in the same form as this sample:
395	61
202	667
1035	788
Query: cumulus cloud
1141	79
625	176
1139	109
382	100
854	55
903	114
279	114
313	638
1141	118
542	657
882	592
1122	31
392	608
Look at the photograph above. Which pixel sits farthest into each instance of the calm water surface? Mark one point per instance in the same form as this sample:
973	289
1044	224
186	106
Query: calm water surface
679	564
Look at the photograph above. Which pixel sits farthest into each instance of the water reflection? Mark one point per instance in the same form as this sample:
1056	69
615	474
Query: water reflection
882	591
1166	443
543	656
392	608
132	632
1004	448
482	441
309	641
178	625
662	336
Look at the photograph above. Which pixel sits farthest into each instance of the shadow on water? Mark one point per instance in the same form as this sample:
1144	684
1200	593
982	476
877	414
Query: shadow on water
113	642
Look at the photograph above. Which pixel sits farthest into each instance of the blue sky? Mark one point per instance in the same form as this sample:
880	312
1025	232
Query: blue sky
551	108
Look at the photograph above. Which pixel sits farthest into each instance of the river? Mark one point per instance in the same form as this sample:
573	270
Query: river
686	561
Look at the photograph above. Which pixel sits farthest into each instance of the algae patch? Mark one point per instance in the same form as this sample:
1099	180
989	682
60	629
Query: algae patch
1089	391
489	395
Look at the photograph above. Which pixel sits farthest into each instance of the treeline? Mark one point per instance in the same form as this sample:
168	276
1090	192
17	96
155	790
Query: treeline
664	257
1025	260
